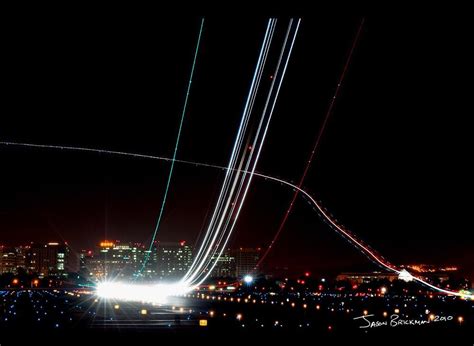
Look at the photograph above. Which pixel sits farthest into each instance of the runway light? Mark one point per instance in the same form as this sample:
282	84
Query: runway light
203	323
248	279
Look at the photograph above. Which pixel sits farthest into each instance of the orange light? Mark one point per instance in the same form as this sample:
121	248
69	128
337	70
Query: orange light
460	319
15	281
106	243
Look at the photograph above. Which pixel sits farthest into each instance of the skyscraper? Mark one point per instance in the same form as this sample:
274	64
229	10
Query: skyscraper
173	259
246	260
225	265
48	259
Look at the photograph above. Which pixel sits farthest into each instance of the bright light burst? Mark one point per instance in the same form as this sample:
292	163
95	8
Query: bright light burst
248	279
153	293
405	275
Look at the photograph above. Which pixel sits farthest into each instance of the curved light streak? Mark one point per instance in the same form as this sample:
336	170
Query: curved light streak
195	276
168	182
261	175
315	147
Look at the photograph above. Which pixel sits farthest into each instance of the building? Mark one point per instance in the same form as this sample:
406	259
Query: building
116	260
225	266
113	259
246	260
12	258
51	259
430	268
360	278
173	259
85	258
439	273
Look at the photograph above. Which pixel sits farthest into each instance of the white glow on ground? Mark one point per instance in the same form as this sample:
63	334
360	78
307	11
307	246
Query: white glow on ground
248	279
405	276
153	293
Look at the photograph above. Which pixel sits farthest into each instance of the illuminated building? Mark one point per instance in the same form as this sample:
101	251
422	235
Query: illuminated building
429	268
12	258
246	260
117	260
85	258
360	278
173	259
225	266
48	259
440	273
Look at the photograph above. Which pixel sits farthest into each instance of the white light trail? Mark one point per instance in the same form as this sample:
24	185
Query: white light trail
221	207
231	198
258	143
261	175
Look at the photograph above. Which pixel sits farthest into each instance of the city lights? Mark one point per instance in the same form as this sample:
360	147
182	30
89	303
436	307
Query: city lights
126	276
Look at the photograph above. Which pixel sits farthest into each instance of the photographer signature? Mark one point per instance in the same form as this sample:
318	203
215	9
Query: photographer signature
396	321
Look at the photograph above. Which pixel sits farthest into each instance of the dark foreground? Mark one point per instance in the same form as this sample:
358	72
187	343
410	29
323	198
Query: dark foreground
61	317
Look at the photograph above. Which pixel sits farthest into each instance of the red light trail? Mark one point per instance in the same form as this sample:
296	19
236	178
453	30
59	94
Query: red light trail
315	147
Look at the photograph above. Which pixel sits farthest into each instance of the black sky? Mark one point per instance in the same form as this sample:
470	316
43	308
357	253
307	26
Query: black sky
394	165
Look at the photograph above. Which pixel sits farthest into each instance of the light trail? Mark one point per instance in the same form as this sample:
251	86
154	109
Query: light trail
227	212
227	189
324	214
235	197
315	146
168	182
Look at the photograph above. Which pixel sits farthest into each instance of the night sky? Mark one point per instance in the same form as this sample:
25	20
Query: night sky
394	165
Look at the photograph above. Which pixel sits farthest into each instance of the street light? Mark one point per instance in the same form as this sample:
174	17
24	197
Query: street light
248	279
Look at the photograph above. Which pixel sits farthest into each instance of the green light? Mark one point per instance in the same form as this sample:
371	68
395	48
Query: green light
158	222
